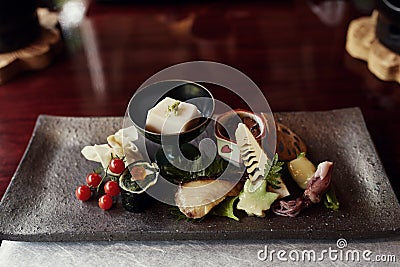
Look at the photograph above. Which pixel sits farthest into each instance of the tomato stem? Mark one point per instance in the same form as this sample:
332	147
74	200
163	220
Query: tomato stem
102	179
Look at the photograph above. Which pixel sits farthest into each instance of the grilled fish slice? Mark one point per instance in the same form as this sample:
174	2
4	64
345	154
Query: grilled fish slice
196	198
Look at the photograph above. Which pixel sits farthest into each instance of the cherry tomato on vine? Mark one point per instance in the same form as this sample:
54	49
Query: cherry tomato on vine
117	166
93	179
111	188
83	192
105	202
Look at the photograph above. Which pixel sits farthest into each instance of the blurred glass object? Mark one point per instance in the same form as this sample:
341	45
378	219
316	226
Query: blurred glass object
72	13
329	12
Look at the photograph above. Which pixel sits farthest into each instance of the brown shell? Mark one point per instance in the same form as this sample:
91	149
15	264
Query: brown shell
288	143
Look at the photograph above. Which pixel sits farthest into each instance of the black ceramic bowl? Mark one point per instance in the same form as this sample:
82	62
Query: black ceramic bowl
181	90
388	24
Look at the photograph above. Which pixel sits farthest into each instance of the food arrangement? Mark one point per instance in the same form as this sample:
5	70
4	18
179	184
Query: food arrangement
260	189
333	139
104	182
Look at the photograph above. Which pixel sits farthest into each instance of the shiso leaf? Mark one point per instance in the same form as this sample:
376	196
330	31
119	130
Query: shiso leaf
177	176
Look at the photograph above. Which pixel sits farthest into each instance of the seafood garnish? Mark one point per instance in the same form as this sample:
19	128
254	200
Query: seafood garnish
139	176
316	187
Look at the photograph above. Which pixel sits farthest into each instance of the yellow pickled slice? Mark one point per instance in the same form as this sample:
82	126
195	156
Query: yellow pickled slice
302	170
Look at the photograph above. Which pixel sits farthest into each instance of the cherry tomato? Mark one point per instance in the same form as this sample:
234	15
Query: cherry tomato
105	202
117	166
111	188
83	192
93	179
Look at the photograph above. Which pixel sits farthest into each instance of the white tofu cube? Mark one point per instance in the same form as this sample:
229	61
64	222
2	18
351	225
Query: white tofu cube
160	120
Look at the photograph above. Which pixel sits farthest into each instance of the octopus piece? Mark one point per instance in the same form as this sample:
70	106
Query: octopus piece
316	188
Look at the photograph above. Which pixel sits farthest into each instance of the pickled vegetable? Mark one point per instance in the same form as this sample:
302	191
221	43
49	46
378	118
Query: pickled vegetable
256	202
302	170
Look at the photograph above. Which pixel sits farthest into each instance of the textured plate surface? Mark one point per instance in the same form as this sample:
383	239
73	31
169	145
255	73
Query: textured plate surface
40	203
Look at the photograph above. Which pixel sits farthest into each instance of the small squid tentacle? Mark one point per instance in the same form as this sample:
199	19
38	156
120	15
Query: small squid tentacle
320	182
291	208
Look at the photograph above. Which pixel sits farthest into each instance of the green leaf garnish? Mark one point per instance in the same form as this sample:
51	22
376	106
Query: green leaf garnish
182	217
174	107
216	168
273	172
226	208
330	200
302	154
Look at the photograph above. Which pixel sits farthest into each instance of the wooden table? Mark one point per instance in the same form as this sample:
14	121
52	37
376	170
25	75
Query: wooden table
288	48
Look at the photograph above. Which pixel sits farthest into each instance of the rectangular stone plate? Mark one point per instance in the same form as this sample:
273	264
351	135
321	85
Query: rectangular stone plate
40	203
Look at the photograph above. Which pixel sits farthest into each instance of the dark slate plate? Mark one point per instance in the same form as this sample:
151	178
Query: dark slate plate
40	205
